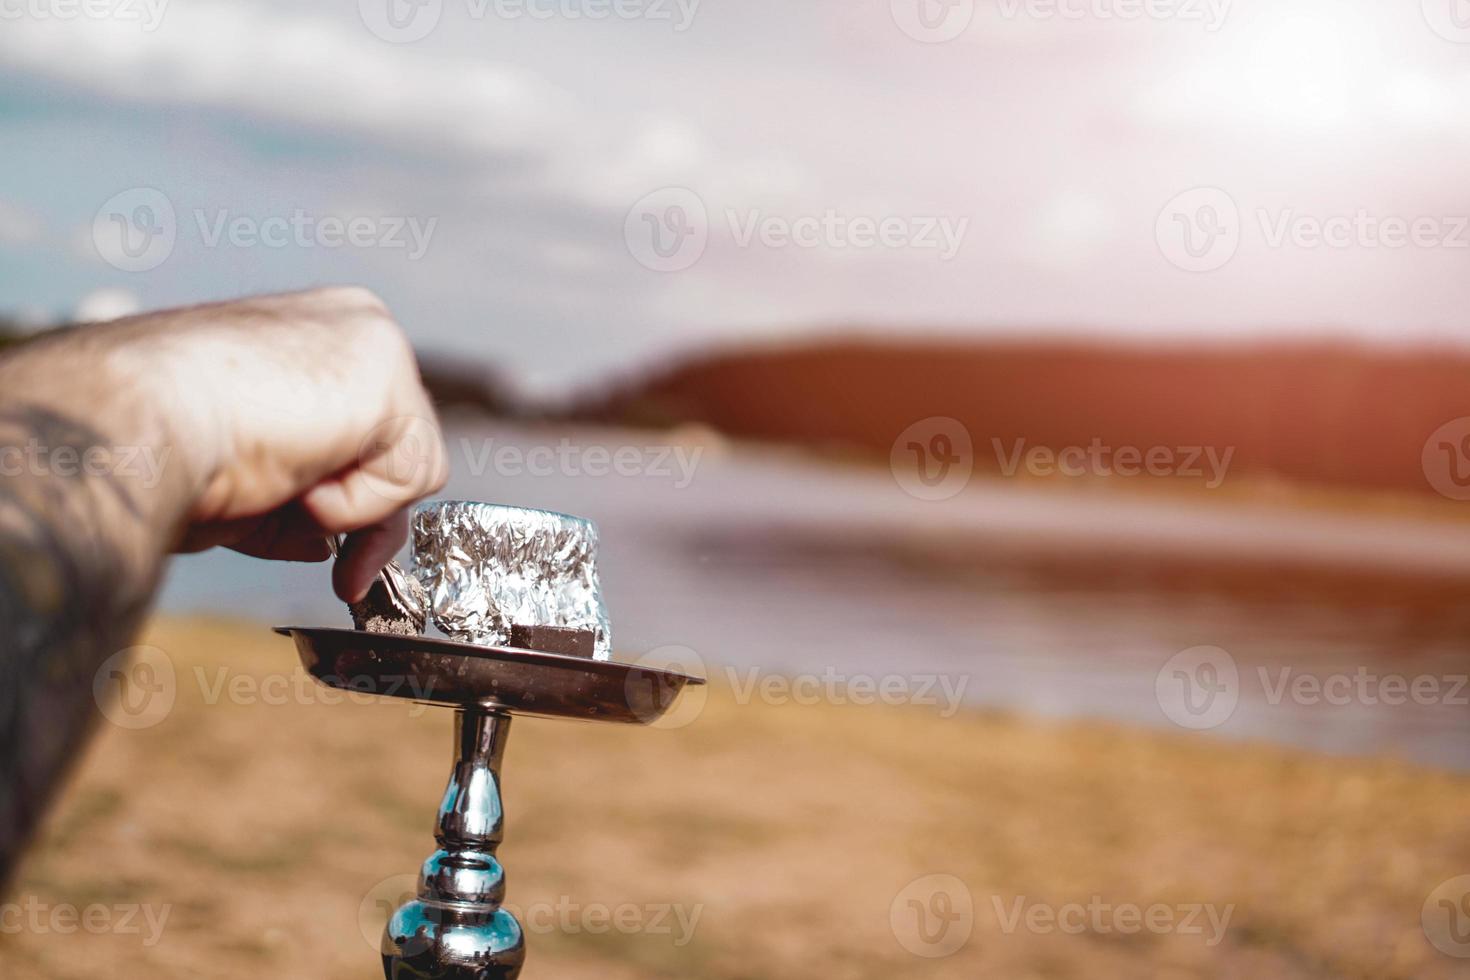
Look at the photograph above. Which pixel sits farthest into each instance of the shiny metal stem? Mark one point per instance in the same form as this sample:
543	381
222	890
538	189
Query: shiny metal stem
456	929
471	816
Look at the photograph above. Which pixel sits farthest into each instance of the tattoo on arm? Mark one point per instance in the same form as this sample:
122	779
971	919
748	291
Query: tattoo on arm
78	564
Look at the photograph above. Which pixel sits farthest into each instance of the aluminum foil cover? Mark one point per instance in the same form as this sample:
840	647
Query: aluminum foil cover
488	567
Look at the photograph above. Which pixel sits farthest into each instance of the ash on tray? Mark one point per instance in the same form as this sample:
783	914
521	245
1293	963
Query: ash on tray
396	604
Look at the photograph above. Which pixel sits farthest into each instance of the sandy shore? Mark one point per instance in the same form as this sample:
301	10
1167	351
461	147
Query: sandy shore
259	830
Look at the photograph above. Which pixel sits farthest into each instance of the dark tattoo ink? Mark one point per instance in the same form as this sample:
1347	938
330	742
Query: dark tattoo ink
75	580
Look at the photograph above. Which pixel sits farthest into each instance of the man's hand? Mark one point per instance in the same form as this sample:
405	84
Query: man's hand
272	423
286	418
302	415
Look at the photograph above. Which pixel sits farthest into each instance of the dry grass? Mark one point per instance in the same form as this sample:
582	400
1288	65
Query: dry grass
265	827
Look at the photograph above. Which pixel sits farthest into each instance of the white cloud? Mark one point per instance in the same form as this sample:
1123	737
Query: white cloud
17	225
296	67
106	304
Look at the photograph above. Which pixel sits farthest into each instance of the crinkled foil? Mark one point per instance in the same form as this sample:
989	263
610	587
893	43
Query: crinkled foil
489	567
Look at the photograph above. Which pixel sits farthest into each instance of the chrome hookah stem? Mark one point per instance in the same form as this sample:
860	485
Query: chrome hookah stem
456	929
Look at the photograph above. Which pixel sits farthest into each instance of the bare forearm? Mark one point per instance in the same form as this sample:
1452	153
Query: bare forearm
89	498
260	424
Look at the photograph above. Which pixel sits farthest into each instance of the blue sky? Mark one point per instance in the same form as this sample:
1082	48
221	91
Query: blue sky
1050	141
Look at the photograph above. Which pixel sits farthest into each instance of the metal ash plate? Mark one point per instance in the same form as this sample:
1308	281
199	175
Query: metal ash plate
454	674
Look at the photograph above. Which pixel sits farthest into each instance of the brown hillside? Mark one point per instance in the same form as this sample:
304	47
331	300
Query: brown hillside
1332	414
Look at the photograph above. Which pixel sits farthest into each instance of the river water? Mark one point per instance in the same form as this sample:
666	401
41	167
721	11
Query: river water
798	579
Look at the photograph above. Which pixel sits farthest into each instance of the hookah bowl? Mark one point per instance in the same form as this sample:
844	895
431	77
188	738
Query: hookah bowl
456	928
